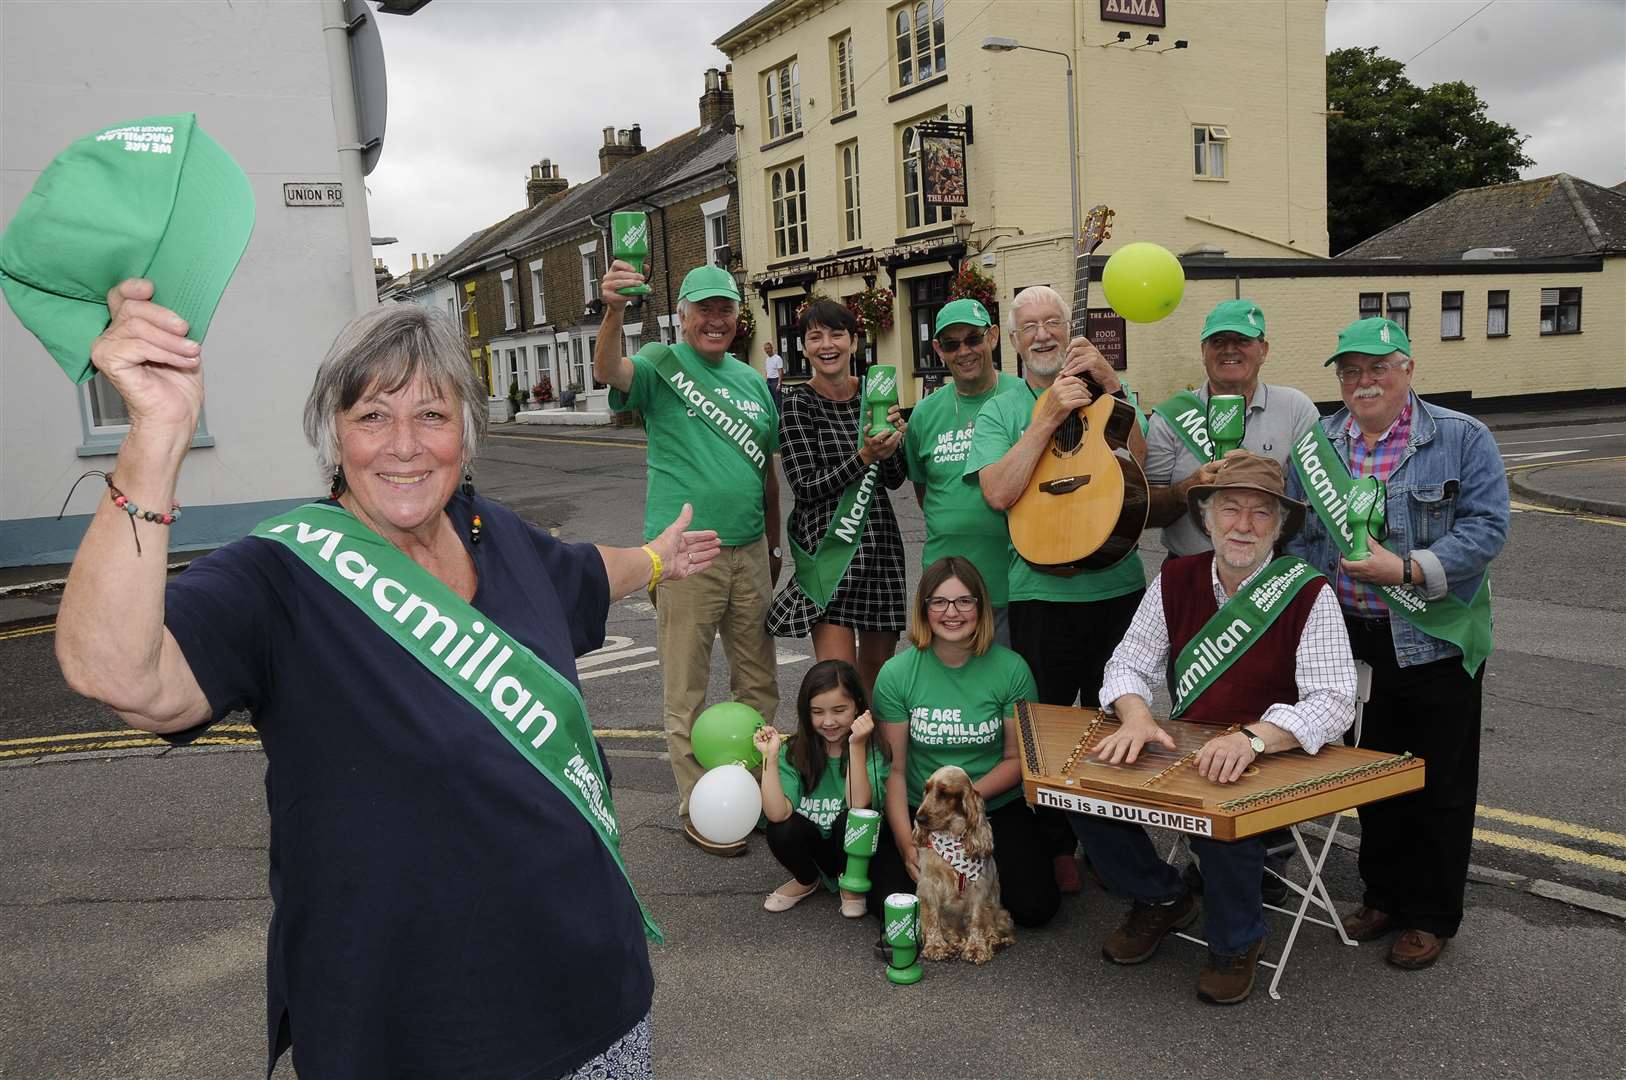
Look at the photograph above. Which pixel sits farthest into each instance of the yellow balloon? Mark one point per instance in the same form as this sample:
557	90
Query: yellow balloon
1143	282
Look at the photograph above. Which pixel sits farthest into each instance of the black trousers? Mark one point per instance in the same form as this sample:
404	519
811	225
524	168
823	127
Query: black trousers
1415	848
1067	646
796	843
1022	852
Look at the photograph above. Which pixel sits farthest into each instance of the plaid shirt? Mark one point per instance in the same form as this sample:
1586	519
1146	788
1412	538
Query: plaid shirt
1361	600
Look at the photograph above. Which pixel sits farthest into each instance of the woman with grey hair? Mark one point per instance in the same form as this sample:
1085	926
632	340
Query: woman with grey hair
450	898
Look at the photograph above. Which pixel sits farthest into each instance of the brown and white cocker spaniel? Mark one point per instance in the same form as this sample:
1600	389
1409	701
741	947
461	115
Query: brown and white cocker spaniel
960	912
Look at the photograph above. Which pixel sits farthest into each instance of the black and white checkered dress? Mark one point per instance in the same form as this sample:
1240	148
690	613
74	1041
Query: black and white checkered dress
818	446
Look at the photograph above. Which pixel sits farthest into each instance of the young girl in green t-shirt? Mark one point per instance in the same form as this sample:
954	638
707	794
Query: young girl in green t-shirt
806	790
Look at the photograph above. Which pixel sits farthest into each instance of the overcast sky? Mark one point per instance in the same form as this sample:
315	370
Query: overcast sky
482	89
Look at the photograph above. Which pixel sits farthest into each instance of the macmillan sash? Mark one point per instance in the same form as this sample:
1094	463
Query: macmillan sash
538	710
1327	487
1237	626
1187	414
722	418
819	574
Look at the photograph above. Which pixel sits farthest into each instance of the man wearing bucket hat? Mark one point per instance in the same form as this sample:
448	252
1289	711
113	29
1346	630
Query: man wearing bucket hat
1418	611
958	522
713	431
1179	449
1290	683
155	199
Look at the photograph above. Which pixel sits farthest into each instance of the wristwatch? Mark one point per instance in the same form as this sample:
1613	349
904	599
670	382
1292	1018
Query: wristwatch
1254	741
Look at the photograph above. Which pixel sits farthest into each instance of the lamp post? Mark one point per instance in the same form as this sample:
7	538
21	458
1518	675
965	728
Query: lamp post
1005	44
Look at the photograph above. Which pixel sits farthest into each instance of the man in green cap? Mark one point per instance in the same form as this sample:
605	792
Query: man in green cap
1179	453
1417	608
958	522
713	431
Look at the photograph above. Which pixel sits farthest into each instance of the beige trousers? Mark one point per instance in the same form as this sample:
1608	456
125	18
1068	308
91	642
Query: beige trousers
729	600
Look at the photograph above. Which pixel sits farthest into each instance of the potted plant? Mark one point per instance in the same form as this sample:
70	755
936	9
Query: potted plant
744	330
971	283
542	392
873	309
516	398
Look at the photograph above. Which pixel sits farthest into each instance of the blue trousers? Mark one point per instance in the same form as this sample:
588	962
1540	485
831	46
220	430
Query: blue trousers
1233	913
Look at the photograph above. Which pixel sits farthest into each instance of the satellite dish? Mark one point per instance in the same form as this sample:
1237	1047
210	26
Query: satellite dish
367	75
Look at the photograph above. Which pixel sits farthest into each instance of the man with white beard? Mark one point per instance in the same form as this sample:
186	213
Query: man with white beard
1289	683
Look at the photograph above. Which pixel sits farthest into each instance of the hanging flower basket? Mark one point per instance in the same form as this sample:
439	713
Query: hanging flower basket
971	283
873	310
746	327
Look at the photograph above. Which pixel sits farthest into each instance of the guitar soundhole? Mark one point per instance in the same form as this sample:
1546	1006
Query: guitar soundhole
1069	434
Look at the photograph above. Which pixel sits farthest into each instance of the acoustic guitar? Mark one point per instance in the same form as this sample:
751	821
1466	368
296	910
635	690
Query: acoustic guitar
1085	505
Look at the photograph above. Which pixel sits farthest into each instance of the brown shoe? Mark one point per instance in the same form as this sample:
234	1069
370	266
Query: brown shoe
1414	950
1065	868
1229	979
1368	924
1147	925
711	847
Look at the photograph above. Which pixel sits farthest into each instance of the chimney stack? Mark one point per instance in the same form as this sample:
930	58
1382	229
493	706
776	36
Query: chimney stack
619	146
414	260
544	181
718	100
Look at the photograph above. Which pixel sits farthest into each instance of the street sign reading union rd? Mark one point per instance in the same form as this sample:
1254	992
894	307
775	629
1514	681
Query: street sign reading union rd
317	193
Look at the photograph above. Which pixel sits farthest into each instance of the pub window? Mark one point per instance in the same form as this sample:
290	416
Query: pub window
1400	310
1371	306
1450	316
852	223
1561	311
782	92
846	88
927	295
787	189
1210	144
916	210
922	50
790	343
1496	313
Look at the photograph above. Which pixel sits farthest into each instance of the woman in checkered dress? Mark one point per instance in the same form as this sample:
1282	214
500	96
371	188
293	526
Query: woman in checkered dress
822	456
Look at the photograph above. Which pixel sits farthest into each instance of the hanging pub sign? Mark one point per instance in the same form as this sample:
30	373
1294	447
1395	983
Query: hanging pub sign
1106	331
942	162
1141	12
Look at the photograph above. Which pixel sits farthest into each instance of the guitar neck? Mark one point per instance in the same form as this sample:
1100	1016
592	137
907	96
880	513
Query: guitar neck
1081	292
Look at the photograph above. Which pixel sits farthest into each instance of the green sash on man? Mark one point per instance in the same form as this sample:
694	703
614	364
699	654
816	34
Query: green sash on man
1236	627
723	418
820	574
1327	487
1187	414
538	710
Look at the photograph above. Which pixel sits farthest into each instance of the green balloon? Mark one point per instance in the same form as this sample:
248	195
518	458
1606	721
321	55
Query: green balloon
1143	282
722	735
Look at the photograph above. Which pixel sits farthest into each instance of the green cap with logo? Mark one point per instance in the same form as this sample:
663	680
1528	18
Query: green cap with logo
1375	337
705	282
1234	317
154	198
965	310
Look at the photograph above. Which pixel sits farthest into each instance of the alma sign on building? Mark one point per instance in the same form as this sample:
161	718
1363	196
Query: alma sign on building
1142	12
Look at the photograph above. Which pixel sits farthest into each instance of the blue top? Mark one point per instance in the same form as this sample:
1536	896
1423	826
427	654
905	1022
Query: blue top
440	908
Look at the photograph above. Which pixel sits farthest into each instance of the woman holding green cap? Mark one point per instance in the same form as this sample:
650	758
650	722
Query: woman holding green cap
449	894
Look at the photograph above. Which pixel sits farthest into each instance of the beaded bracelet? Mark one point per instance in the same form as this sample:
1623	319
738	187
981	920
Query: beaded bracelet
123	502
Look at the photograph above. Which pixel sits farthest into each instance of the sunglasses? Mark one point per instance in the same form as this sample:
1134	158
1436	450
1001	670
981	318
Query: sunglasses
971	340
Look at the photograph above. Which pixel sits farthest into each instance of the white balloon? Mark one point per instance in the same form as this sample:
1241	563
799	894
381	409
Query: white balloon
725	804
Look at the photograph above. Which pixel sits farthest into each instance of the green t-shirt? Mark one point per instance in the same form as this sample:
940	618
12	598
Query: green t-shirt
689	464
958	521
828	798
956	716
1000	424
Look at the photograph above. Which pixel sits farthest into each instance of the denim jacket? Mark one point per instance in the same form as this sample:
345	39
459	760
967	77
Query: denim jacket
1447	506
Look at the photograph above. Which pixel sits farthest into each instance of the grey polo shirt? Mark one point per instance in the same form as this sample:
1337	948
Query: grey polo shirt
1277	416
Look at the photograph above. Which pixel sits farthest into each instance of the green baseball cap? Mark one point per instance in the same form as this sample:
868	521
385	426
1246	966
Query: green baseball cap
704	282
1234	317
154	198
966	311
1375	337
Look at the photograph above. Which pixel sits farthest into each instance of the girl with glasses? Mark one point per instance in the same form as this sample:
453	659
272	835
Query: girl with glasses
948	701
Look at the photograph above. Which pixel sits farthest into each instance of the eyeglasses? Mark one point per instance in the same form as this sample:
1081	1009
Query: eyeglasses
1028	329
1377	370
971	340
963	604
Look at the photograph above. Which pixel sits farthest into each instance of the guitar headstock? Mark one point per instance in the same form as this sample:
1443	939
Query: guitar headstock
1097	227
